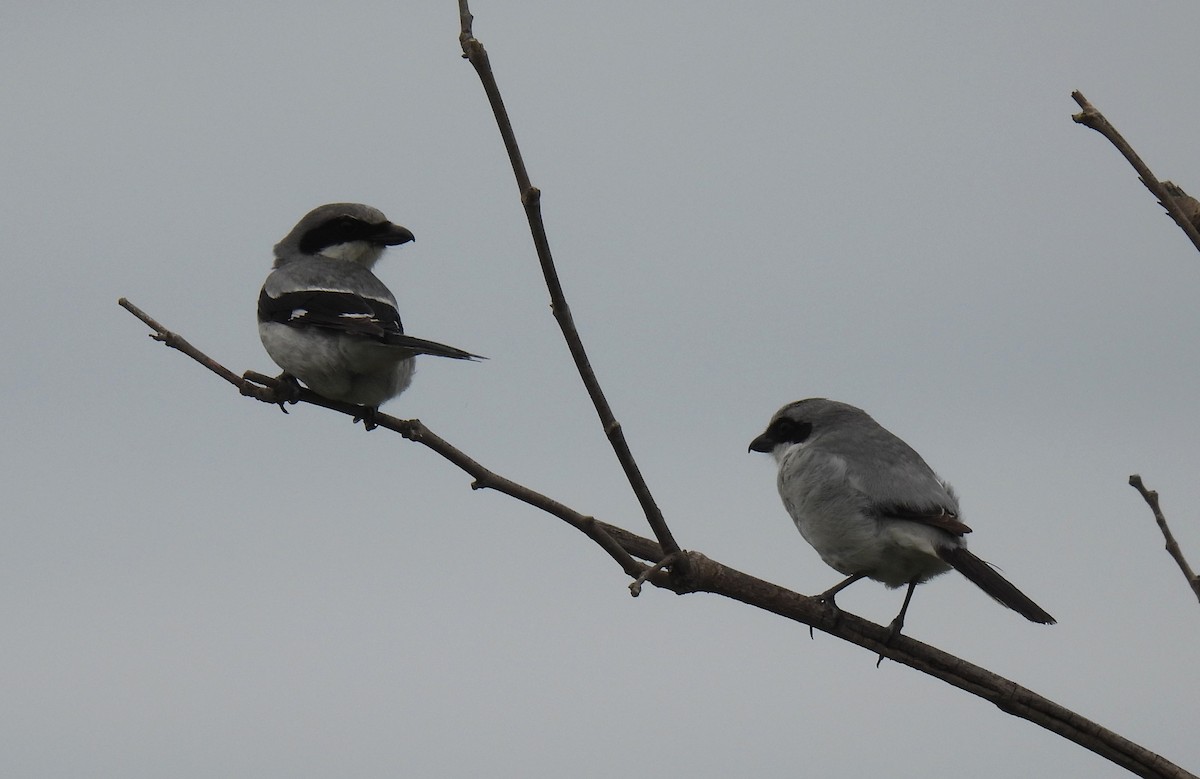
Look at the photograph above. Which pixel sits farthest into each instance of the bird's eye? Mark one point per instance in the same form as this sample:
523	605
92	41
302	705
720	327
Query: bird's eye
340	229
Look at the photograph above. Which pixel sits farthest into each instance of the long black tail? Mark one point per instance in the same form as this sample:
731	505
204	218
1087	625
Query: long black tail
421	346
985	578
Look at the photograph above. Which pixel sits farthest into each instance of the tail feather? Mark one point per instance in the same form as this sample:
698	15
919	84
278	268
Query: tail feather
984	576
421	346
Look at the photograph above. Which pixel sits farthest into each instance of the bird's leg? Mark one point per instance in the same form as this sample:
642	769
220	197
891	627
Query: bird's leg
898	622
367	417
828	596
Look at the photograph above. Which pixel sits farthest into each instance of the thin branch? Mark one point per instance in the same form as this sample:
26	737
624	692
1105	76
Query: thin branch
706	575
531	196
1151	498
597	531
264	388
177	342
1090	117
1008	696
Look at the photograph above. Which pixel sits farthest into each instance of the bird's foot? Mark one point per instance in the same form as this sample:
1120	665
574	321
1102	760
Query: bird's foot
835	611
287	390
827	598
367	417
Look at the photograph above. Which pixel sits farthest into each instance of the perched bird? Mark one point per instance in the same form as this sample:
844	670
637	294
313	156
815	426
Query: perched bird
328	321
870	505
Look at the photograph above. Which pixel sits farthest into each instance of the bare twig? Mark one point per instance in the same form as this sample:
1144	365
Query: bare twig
1151	498
474	51
706	575
263	388
1090	117
1007	695
177	342
597	531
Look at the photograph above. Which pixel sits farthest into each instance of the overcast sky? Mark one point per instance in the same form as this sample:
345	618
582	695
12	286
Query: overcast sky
750	203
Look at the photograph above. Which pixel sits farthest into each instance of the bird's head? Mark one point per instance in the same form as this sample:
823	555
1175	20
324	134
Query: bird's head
796	422
342	231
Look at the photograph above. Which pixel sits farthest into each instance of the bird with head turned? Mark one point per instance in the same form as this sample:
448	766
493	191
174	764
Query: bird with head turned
327	320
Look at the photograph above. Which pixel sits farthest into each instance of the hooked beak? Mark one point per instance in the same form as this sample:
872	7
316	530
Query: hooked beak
762	444
392	234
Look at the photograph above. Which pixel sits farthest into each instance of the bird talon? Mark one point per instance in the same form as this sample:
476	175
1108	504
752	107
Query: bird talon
835	611
287	389
368	417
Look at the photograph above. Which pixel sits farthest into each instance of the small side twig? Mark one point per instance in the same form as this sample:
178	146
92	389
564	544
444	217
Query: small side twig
1090	117
635	587
531	196
1151	498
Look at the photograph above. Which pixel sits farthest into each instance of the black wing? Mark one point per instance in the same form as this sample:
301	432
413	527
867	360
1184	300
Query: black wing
344	312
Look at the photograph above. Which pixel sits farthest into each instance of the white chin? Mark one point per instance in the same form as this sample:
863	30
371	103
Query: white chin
362	252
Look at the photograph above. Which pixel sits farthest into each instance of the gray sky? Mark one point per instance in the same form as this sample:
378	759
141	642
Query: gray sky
749	204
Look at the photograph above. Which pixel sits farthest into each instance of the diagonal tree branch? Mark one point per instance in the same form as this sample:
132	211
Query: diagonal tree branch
1151	498
263	388
1090	117
706	575
531	199
176	341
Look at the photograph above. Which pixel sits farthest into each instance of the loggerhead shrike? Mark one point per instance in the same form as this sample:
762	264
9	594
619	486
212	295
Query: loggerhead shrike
328	321
870	505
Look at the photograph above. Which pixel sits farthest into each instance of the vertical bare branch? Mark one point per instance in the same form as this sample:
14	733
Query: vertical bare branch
474	51
1151	498
1092	118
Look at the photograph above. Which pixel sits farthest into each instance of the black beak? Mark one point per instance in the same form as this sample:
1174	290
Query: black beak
762	444
391	235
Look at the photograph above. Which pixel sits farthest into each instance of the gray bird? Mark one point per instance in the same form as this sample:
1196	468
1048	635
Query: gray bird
870	505
328	321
